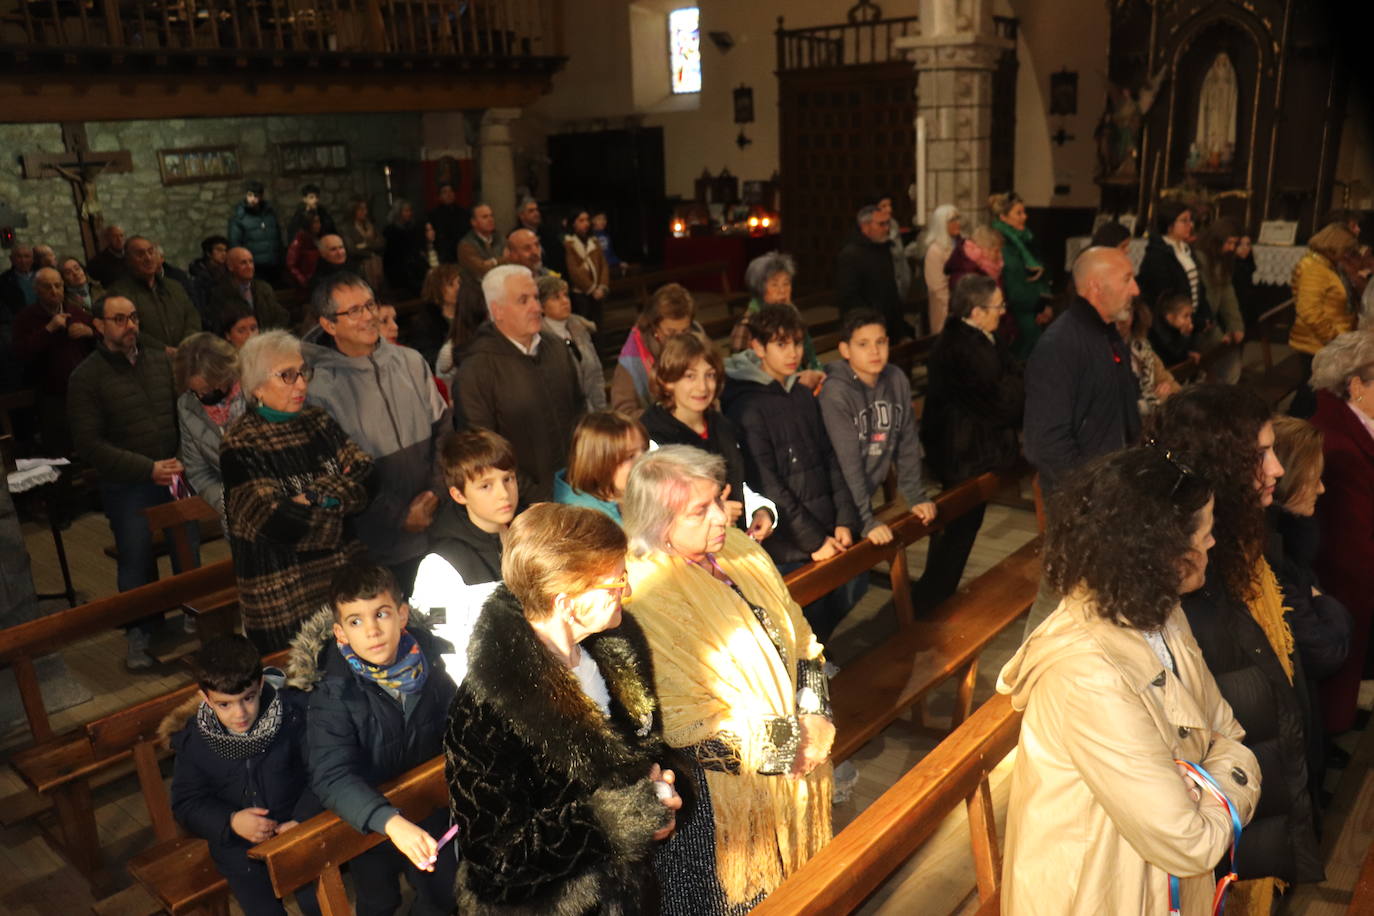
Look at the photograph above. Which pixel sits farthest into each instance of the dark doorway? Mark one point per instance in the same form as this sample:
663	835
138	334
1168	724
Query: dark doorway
620	171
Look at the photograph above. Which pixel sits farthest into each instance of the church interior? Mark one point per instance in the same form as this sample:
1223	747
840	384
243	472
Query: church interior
702	135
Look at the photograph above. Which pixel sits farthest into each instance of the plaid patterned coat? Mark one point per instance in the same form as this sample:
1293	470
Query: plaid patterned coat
285	553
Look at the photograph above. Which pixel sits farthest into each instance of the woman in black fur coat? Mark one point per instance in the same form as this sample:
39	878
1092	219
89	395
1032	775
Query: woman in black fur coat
556	767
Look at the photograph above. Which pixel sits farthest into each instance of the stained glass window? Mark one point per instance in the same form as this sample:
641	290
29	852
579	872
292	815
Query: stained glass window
684	47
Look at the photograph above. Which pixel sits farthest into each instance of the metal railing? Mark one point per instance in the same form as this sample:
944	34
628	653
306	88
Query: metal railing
477	28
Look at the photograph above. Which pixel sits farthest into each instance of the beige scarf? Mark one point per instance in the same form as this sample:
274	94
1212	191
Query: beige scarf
717	675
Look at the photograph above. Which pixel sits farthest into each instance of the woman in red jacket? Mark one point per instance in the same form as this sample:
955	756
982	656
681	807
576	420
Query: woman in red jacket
1343	376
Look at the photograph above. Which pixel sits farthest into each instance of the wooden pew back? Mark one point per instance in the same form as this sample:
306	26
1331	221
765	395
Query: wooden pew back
173	517
843	874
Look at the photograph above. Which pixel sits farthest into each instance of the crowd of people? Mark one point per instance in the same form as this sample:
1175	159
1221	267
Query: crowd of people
664	744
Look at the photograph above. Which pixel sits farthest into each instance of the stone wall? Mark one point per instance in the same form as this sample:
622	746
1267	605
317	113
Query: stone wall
179	216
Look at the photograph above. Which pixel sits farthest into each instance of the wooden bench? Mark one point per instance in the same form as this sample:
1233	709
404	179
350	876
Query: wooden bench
856	862
214	613
20	645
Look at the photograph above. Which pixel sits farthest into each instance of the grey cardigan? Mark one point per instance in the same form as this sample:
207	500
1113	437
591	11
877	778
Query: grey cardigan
200	439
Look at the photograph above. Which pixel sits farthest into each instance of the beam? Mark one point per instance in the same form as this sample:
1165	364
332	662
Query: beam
47	98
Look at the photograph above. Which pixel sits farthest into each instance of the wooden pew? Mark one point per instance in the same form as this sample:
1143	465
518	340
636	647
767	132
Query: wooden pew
66	768
1362	897
857	861
214	613
20	645
316	849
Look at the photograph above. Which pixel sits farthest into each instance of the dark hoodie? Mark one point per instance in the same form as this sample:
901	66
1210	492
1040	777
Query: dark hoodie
721	439
869	429
387	403
534	401
473	553
787	458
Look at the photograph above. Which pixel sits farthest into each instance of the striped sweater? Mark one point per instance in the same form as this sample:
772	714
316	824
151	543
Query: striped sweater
285	553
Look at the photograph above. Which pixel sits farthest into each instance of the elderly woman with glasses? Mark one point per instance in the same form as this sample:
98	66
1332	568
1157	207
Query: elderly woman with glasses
1115	691
740	677
206	369
291	479
560	783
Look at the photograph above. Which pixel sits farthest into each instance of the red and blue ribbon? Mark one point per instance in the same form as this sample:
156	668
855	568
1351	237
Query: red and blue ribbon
1207	783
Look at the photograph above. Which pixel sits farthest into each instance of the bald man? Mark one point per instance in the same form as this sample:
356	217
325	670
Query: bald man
523	248
52	336
241	289
1080	391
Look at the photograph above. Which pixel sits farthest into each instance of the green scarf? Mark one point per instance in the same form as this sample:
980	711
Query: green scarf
275	416
1021	239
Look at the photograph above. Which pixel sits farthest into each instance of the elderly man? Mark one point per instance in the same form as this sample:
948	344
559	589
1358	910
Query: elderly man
477	252
385	398
1080	391
333	260
108	264
523	248
528	216
121	404
520	381
53	336
865	277
17	283
44	256
81	290
241	287
165	312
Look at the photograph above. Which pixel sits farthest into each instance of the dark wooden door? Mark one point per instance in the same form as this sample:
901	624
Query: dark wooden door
847	136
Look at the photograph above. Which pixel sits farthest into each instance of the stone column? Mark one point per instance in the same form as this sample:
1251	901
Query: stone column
955	56
496	160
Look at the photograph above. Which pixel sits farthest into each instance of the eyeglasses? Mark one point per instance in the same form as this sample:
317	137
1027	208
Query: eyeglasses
618	586
289	376
120	321
370	307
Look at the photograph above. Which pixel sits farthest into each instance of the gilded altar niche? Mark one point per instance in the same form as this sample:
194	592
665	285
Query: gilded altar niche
1237	104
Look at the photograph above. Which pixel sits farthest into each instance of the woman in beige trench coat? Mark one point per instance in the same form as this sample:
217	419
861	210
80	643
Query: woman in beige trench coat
1114	690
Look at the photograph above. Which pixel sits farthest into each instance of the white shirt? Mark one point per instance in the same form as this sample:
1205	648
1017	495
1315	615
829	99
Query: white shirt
593	684
439	588
531	350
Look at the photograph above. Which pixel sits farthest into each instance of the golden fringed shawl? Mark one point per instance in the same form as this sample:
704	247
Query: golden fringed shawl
718	675
1267	608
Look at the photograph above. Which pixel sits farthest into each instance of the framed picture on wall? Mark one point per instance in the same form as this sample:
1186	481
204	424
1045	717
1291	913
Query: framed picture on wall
198	163
313	156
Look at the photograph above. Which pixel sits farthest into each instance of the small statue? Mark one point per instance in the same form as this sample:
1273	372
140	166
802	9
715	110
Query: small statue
1118	131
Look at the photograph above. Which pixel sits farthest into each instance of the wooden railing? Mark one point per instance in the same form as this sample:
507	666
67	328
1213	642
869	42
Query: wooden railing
876	843
845	45
466	28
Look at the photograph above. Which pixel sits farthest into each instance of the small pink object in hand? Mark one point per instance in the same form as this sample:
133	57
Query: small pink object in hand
448	835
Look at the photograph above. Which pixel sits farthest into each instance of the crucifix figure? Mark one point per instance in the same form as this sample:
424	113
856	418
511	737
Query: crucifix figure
80	166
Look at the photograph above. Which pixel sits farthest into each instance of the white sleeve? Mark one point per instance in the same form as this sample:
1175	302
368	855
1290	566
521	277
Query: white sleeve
438	587
755	501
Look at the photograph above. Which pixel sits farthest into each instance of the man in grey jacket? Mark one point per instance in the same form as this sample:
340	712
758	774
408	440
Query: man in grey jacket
384	397
866	405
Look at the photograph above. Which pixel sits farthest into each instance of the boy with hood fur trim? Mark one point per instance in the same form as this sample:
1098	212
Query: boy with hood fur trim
240	766
379	698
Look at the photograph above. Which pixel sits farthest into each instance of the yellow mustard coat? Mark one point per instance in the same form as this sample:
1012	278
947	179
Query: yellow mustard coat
1321	303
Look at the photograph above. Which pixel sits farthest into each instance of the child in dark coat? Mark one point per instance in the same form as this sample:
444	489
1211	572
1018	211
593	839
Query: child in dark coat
378	708
240	766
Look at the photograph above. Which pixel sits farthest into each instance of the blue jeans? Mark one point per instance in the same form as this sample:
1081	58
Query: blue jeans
123	504
825	613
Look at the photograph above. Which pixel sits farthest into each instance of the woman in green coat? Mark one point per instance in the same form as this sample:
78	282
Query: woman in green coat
1025	282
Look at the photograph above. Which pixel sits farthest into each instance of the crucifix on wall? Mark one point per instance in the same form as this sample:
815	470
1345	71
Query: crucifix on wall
80	166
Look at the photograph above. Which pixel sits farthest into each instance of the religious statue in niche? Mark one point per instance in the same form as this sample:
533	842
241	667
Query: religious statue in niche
1118	131
1214	143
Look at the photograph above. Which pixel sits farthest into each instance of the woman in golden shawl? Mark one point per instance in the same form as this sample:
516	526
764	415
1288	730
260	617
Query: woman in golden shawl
1226	435
739	678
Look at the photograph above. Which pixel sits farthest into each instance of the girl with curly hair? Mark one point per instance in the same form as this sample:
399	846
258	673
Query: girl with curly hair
1226	434
1115	690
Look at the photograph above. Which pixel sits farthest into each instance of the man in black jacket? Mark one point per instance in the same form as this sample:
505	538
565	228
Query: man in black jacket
864	275
1080	391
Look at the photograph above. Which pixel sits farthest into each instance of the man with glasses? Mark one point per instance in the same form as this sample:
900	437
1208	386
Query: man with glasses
384	397
121	406
1080	391
166	314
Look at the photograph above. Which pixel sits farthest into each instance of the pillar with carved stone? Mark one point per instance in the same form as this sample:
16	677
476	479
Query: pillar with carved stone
496	159
955	57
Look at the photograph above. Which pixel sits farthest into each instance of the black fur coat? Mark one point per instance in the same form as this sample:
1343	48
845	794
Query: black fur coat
554	809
